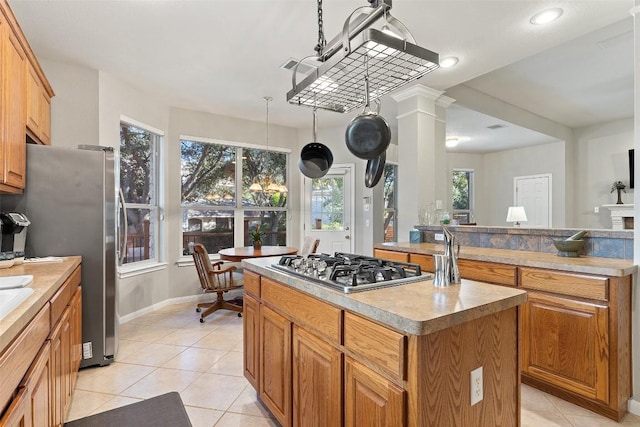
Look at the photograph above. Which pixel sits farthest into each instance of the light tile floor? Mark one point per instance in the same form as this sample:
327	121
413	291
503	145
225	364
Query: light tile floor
170	350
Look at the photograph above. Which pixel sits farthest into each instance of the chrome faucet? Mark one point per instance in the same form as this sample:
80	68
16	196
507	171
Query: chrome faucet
451	256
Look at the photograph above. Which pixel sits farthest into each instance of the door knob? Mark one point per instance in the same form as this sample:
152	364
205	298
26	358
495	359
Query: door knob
347	237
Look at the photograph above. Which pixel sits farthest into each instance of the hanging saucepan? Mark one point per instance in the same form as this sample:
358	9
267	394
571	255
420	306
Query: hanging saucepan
368	135
375	168
315	158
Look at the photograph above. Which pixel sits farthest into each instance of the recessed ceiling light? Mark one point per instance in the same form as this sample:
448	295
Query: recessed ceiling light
451	142
546	16
449	61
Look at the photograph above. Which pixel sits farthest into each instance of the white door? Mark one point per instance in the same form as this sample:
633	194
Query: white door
534	194
328	210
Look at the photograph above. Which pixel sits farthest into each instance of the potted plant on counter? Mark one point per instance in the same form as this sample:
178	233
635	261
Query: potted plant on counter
256	237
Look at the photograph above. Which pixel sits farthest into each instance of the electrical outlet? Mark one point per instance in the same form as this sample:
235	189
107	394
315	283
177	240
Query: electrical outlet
439	237
476	386
596	209
438	204
87	350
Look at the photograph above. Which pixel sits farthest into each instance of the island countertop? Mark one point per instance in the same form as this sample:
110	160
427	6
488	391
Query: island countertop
583	264
47	279
415	308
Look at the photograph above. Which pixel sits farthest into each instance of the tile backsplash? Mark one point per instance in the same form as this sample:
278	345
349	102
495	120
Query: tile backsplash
600	243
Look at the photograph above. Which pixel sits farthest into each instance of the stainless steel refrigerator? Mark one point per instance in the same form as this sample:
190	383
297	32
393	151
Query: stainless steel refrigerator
70	199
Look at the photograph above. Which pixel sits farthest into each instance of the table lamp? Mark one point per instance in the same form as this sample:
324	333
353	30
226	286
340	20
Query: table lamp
516	214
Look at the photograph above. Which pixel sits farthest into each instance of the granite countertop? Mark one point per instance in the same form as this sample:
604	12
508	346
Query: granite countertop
415	308
47	279
583	264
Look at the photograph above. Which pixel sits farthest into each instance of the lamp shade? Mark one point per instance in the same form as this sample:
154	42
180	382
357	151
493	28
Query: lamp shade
516	214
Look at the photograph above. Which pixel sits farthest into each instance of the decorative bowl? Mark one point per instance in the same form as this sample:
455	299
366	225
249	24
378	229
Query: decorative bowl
568	248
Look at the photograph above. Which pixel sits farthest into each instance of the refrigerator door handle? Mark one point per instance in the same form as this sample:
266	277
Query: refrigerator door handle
122	243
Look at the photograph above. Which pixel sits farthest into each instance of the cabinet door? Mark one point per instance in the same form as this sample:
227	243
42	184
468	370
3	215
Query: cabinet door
75	326
57	376
371	400
33	101
45	118
317	381
13	113
251	331
19	412
275	364
37	381
566	343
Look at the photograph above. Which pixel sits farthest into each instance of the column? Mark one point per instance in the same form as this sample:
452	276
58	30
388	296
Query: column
422	174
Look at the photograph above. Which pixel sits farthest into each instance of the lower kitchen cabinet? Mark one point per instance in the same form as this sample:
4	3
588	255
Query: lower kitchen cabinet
251	329
317	380
275	364
370	399
555	330
39	388
19	412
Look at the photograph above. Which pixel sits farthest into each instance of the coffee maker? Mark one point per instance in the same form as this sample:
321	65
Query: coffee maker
14	234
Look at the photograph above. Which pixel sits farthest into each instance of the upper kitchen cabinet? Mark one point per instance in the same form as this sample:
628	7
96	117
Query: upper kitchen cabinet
38	107
25	108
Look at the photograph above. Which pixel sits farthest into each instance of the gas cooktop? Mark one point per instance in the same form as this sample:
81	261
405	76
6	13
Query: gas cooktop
351	273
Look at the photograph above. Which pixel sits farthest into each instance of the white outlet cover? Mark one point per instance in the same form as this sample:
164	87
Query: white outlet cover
477	385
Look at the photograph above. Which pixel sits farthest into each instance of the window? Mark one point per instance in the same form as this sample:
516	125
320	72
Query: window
462	196
139	182
216	196
327	203
390	202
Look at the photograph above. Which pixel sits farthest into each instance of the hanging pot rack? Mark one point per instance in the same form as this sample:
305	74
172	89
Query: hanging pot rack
392	62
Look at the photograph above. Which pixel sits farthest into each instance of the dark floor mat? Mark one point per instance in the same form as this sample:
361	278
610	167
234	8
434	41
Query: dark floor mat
166	410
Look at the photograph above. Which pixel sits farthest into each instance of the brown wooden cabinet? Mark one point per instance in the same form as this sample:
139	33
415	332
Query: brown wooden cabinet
42	363
554	331
251	345
25	102
275	364
38	108
325	365
371	400
576	338
13	69
317	380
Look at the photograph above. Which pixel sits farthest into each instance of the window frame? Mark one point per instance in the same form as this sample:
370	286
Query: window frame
158	233
238	209
471	188
395	205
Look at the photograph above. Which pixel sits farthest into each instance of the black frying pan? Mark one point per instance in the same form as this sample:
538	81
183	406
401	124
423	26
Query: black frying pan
375	168
368	135
315	158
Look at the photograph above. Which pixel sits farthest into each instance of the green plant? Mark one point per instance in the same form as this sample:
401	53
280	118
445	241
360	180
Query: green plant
256	235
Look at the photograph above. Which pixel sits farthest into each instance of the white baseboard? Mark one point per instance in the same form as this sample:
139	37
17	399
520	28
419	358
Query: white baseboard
189	298
634	406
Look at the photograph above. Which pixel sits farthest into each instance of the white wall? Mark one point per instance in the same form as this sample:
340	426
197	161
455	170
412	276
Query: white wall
601	159
503	166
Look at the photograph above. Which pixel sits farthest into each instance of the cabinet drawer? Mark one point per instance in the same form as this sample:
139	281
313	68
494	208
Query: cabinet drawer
252	283
382	347
61	299
489	272
578	285
18	357
424	261
392	255
304	310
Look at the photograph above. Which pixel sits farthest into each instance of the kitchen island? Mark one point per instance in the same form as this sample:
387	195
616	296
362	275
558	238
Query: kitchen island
397	356
575	337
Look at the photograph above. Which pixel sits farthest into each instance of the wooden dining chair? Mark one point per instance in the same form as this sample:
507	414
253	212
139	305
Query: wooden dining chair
214	278
309	246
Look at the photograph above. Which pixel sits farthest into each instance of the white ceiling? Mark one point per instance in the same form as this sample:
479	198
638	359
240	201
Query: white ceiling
223	56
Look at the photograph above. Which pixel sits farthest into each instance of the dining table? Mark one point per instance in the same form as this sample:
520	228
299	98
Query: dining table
237	254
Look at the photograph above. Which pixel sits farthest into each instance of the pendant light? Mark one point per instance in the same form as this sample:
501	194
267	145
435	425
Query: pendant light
268	186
